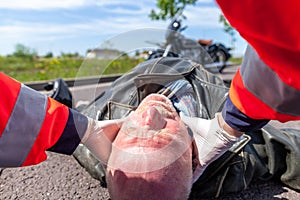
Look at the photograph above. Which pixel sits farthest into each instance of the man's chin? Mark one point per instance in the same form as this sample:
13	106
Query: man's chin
158	100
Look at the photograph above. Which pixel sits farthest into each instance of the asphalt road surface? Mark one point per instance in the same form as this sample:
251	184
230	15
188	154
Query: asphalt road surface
61	177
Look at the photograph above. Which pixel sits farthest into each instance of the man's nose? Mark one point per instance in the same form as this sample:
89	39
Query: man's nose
154	119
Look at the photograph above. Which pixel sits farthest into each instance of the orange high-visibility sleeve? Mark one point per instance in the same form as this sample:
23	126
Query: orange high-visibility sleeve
268	84
31	123
9	94
252	106
272	29
51	130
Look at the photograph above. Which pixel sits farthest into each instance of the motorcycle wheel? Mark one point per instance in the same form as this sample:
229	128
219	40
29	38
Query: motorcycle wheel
219	56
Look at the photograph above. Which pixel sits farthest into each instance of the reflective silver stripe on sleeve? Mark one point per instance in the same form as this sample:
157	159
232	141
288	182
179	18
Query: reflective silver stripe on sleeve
22	127
265	84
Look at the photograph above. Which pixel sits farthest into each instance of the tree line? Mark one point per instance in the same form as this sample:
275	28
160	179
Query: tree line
25	52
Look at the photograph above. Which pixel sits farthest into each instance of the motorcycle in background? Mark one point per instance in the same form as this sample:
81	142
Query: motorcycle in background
211	55
218	51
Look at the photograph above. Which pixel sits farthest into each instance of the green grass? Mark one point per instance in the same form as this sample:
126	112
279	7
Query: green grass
26	70
236	60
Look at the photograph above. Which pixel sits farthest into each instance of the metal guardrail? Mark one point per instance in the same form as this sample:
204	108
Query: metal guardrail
40	85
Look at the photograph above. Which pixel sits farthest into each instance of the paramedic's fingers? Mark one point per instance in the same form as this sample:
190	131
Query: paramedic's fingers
196	124
202	126
99	136
216	141
212	141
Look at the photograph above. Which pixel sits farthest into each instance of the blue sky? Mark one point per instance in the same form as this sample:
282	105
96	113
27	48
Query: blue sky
77	25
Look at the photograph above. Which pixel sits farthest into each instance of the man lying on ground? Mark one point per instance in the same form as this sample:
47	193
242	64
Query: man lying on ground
154	155
140	157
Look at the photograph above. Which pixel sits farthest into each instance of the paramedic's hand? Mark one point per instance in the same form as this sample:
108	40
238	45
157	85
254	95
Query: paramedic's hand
212	141
99	136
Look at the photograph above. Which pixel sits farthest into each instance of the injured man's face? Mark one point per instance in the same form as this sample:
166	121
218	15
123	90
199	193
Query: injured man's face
151	157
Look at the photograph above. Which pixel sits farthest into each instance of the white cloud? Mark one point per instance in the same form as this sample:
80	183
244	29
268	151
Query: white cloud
203	16
41	31
128	7
41	4
124	16
69	4
114	24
